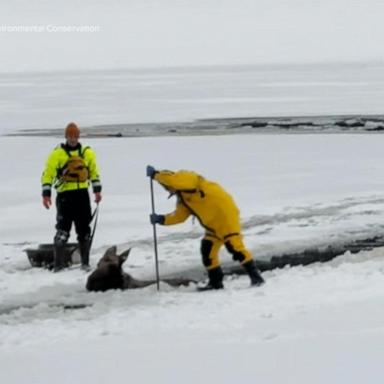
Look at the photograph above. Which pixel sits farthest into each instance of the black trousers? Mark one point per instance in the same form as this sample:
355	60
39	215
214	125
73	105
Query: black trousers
73	207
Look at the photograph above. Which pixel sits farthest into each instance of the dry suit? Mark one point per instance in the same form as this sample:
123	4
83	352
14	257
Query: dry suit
216	211
70	170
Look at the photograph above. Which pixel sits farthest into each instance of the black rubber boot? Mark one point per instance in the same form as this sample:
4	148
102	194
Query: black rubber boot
215	280
58	257
253	273
84	254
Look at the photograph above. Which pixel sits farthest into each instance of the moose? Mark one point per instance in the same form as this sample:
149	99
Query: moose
109	274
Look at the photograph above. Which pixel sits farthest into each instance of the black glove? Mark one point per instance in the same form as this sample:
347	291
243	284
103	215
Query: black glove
156	219
151	171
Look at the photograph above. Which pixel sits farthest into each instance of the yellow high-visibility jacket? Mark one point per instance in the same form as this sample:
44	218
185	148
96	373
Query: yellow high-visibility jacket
206	200
56	163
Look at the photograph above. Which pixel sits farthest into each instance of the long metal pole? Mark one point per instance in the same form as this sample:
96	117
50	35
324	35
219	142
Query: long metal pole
155	237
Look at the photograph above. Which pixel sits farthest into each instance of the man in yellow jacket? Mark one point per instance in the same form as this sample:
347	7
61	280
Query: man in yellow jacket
70	168
217	213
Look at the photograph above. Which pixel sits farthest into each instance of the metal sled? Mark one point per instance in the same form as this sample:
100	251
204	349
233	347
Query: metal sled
42	256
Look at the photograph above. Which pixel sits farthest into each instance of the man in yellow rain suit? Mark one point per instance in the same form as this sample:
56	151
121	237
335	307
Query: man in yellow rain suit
217	213
71	168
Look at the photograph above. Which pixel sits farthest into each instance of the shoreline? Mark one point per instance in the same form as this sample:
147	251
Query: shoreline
363	123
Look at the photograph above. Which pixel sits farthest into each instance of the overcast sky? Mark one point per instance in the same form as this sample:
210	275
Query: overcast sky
152	33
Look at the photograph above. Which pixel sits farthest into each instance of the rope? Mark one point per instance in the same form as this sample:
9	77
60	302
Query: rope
95	215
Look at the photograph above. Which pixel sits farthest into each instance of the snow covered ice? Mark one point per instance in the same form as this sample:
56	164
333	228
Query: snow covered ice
322	323
319	323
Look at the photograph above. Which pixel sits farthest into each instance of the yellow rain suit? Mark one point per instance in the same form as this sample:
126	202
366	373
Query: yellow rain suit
213	207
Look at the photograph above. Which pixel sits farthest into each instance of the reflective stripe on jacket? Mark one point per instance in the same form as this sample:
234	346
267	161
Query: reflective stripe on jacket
57	161
207	200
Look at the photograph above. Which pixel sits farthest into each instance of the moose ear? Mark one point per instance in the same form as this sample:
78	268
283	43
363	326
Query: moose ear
124	256
110	251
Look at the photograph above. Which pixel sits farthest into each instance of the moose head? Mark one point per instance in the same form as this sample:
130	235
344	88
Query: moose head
109	273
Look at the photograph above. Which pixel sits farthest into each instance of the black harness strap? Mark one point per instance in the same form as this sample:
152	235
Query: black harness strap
230	235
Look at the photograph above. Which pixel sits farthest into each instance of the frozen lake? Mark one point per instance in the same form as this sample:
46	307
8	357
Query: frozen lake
50	100
320	323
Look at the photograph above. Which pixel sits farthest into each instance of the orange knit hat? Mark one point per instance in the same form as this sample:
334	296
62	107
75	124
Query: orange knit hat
72	130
